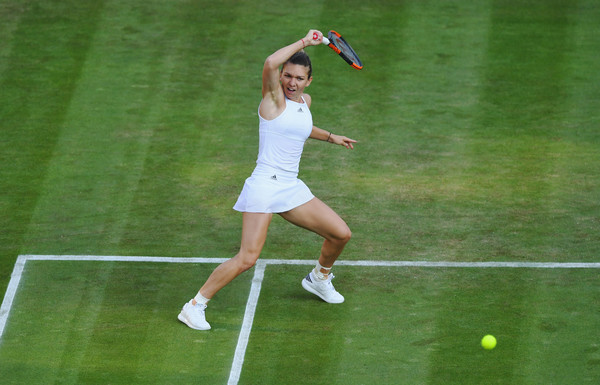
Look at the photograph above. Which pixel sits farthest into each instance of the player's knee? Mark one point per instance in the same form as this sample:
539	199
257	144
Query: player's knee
246	260
344	234
247	264
347	235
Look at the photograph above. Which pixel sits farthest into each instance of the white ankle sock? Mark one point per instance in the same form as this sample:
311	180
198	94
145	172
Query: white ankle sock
317	271
199	298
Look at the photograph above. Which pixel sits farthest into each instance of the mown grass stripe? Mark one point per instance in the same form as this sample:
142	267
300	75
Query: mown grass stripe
104	142
185	167
518	116
48	48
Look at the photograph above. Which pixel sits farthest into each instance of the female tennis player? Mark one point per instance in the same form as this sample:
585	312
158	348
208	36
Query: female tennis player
285	123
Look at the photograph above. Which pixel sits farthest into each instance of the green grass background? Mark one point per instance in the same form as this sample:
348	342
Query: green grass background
128	127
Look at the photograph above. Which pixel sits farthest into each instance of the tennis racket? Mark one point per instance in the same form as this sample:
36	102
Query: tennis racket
336	42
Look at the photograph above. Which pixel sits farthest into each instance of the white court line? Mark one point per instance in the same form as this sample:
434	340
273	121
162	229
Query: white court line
520	265
120	258
11	291
240	349
244	336
117	258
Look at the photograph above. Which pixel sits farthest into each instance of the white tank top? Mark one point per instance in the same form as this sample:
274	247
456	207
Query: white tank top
281	140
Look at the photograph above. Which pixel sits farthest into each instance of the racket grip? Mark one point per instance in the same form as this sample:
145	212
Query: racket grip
325	40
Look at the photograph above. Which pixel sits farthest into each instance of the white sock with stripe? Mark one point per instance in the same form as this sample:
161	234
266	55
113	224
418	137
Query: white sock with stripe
319	274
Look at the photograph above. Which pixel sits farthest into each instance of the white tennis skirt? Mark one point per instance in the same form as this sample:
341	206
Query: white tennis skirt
272	191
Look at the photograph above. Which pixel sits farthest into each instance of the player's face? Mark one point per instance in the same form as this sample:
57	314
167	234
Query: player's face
294	79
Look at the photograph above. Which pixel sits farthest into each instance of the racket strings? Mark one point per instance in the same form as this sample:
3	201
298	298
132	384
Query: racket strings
343	46
347	52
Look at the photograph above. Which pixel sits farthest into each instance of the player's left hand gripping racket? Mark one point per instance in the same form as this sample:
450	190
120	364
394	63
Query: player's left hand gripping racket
336	42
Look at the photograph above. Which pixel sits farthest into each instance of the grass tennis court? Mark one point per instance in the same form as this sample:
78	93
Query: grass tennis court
90	330
128	128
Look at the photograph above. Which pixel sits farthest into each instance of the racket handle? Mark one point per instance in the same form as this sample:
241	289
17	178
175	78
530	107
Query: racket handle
325	40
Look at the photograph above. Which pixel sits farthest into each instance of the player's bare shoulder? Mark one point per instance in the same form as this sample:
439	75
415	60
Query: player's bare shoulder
307	99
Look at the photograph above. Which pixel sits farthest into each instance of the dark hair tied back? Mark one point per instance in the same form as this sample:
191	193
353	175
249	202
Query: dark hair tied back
301	58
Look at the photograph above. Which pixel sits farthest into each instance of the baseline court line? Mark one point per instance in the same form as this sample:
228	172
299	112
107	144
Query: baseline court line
120	258
259	272
109	258
521	265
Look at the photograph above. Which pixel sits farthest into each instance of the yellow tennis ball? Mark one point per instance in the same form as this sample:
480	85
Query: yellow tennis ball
488	342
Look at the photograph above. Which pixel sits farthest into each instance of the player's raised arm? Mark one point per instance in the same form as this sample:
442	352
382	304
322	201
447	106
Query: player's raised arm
270	78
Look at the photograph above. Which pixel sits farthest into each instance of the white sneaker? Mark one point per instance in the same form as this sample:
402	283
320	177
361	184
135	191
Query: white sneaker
323	289
193	316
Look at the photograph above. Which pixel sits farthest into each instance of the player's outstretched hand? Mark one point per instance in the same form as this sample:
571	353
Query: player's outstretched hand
343	141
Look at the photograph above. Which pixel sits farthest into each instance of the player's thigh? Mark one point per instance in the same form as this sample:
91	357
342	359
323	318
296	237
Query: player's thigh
316	216
254	232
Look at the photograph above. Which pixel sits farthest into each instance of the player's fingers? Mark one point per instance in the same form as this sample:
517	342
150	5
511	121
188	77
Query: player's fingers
315	37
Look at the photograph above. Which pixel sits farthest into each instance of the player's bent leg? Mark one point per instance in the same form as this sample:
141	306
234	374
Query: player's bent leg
316	216
254	233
